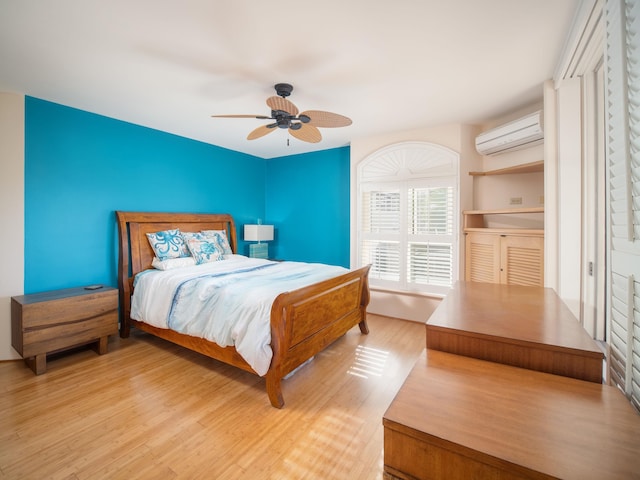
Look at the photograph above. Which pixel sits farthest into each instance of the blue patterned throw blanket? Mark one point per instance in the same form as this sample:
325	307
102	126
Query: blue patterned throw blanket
227	302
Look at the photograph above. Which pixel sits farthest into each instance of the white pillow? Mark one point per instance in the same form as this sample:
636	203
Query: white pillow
168	244
172	263
204	248
223	241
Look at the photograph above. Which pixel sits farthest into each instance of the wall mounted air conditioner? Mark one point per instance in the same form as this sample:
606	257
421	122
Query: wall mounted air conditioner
522	133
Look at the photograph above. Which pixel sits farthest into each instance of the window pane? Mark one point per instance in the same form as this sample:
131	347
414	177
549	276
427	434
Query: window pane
430	211
384	258
381	211
430	264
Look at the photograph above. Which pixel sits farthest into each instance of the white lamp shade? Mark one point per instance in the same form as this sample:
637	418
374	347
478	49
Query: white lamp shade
258	233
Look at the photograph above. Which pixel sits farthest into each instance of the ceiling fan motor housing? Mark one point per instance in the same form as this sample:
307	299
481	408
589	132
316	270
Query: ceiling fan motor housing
282	118
283	89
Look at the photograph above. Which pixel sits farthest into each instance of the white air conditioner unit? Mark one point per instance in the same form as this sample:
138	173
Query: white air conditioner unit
522	133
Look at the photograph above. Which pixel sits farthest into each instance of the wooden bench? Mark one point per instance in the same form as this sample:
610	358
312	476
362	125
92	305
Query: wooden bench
509	387
459	417
527	327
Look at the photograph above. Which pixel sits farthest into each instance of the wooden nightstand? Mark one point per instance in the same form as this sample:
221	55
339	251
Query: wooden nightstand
47	322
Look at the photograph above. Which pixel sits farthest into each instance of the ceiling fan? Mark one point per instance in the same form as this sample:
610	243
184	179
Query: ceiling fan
303	126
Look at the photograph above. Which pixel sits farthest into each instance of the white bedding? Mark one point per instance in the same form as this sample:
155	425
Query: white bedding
227	302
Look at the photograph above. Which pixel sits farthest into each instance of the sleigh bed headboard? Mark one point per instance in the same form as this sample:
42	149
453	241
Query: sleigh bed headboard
136	254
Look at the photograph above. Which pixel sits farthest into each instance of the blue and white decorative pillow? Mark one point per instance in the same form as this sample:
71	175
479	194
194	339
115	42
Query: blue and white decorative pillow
221	238
204	248
168	244
173	263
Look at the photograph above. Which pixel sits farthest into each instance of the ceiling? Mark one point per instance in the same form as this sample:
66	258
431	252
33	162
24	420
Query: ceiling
388	65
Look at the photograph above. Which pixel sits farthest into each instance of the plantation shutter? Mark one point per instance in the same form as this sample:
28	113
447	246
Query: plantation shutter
407	221
430	241
380	247
623	196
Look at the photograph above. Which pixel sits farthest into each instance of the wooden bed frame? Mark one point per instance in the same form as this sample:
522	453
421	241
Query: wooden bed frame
303	321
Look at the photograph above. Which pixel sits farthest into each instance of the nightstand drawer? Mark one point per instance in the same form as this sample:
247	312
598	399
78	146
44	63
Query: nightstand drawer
46	322
65	306
50	339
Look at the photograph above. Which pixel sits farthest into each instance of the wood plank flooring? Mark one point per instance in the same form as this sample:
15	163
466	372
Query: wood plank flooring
150	409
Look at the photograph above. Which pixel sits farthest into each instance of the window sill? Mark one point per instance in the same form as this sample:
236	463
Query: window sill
438	296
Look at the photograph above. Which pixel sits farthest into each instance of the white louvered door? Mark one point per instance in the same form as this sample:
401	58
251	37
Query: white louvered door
623	195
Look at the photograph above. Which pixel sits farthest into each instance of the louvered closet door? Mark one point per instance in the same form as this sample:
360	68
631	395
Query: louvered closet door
623	194
522	260
482	257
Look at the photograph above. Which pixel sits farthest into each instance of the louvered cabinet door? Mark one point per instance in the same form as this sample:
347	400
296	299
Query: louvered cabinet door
522	260
482	258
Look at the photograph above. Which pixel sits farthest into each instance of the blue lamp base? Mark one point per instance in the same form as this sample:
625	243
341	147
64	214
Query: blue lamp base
259	250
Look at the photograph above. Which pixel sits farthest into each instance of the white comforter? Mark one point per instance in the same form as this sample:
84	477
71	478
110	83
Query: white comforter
227	302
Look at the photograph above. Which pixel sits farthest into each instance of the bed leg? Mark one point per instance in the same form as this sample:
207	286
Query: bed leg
364	328
274	390
124	331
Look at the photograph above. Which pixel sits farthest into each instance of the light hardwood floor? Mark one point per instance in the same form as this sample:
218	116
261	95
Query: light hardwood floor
149	409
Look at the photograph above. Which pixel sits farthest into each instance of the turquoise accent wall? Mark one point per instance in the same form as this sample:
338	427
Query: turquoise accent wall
308	203
81	167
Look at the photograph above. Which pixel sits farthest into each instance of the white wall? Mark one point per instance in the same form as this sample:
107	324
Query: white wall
550	188
569	171
461	139
496	191
576	96
11	213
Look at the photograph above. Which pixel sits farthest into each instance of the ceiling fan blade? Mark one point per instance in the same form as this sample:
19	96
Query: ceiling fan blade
326	119
261	117
261	131
279	103
306	133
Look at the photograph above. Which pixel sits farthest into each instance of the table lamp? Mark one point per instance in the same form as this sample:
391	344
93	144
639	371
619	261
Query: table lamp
258	233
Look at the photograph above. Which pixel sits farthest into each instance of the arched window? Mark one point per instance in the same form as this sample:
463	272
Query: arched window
407	225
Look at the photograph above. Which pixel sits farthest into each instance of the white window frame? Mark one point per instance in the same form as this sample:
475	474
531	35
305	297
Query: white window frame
408	165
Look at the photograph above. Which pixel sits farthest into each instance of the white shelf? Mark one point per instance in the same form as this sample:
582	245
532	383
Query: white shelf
474	220
532	167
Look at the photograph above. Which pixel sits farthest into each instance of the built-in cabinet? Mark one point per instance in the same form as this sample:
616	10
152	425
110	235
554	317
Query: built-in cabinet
507	255
513	259
510	253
